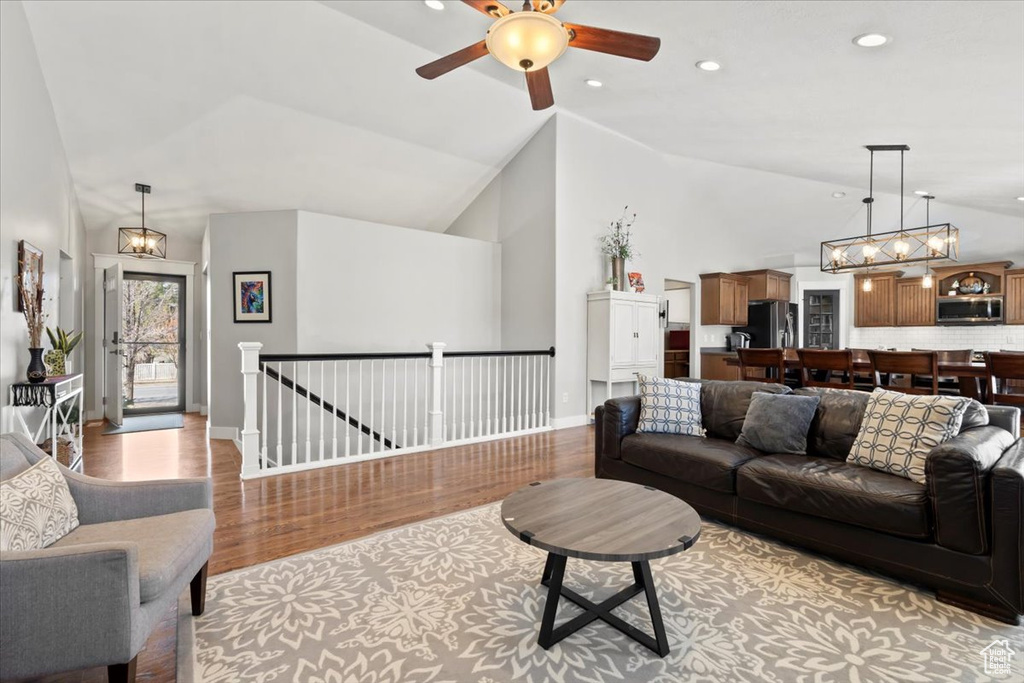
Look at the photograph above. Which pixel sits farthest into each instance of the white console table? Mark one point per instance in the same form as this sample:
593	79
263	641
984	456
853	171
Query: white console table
57	398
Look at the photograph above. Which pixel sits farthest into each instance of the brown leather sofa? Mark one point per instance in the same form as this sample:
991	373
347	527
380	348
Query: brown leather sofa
962	534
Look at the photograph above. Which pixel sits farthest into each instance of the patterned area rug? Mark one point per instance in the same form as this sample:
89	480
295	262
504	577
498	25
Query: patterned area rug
458	599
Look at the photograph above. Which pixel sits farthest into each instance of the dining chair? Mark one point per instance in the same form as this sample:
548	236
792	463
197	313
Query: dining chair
912	363
947	384
818	368
771	361
1005	377
861	379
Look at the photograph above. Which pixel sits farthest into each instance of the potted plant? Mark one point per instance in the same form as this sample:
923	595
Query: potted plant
31	290
62	343
617	245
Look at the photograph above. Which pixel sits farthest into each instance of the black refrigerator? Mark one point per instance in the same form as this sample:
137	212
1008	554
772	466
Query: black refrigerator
771	325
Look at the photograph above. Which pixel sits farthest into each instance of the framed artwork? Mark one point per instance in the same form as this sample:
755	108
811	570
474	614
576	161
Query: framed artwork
30	266
636	281
251	296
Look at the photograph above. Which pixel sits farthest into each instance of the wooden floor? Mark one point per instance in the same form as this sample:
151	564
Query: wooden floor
264	519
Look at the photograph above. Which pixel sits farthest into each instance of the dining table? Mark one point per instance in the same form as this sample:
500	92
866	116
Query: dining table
971	375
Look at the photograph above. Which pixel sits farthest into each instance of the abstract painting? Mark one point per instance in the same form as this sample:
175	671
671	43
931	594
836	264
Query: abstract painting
251	295
636	281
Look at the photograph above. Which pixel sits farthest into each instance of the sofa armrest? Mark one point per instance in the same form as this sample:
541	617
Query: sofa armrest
1006	485
67	607
99	500
621	416
1007	417
957	472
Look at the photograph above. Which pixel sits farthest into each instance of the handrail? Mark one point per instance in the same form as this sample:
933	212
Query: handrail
313	398
289	357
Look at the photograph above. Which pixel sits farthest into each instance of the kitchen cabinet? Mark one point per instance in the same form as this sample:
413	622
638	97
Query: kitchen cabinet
876	308
624	339
1014	282
713	366
677	363
723	299
767	285
915	305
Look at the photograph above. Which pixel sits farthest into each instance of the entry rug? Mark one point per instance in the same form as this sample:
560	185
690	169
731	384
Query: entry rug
457	599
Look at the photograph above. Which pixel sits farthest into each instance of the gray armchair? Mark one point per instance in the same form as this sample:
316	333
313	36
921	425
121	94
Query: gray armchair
93	597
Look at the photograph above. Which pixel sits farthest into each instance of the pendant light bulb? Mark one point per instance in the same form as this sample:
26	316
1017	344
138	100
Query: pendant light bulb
926	281
866	285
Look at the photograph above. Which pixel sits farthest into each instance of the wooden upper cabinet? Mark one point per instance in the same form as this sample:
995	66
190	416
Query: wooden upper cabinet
876	308
1014	283
915	305
723	299
767	285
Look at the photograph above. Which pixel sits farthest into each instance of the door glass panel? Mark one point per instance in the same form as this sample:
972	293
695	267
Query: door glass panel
151	345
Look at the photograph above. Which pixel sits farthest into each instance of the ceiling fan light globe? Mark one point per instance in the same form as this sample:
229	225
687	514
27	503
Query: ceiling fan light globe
532	38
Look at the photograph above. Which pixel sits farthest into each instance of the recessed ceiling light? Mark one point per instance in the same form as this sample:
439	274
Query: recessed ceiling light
593	83
921	193
434	4
708	65
838	195
1020	199
871	40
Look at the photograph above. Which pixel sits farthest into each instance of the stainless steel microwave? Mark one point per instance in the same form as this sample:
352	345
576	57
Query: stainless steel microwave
969	310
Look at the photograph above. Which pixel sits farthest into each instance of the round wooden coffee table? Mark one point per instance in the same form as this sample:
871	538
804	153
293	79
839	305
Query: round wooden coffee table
607	521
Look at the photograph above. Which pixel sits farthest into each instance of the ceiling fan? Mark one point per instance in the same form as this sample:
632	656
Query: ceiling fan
531	39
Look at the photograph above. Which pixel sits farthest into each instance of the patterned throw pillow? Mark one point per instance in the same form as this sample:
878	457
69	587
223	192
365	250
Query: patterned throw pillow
668	406
898	431
36	508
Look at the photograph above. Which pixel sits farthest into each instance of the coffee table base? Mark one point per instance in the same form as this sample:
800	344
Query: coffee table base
643	582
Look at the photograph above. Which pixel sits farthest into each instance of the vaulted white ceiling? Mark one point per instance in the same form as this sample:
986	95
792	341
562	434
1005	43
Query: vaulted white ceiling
226	106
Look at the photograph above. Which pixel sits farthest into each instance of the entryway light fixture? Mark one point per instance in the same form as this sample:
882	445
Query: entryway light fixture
898	247
142	242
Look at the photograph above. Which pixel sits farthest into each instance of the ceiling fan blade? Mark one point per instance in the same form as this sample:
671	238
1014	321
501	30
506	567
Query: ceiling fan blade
454	60
548	6
539	84
491	8
632	45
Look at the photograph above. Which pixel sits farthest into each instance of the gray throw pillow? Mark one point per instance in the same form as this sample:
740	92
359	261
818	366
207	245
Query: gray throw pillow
778	423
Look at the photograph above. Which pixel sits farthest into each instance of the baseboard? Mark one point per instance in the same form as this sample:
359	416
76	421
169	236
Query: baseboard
571	421
229	433
93	415
238	445
204	410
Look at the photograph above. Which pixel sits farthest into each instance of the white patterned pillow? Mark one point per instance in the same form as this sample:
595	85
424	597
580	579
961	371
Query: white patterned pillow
898	431
36	508
668	406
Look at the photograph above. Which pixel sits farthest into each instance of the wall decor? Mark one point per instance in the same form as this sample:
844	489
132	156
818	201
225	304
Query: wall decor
251	296
30	272
636	281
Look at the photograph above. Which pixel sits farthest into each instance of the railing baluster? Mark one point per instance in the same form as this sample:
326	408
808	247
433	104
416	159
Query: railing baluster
462	389
415	404
519	394
480	397
295	416
405	400
309	407
547	391
334	417
359	407
322	411
488	430
394	403
383	394
504	394
280	418
348	408
263	426
530	387
373	384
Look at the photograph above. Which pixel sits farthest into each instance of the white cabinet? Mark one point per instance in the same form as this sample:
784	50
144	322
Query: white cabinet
624	339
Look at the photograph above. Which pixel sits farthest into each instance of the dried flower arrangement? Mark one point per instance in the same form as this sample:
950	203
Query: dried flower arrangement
30	286
617	243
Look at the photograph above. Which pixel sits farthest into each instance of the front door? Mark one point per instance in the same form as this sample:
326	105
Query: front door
113	372
153	343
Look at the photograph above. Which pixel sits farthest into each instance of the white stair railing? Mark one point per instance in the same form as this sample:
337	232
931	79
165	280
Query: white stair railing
305	411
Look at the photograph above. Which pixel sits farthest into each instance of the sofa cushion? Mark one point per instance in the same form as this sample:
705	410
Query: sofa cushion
836	421
975	416
668	406
36	508
778	423
710	463
12	461
723	405
834	490
899	430
167	544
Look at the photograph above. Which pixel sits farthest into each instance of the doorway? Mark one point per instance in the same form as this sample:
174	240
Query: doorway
677	316
152	344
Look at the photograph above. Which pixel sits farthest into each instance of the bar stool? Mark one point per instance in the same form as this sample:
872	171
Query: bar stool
815	363
767	359
947	385
1004	367
913	363
862	380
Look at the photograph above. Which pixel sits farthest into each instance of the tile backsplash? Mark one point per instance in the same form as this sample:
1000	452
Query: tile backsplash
977	337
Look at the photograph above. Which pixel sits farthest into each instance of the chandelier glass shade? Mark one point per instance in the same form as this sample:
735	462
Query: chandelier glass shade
527	41
142	242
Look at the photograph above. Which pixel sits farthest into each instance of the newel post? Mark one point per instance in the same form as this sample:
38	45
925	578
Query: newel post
250	428
435	412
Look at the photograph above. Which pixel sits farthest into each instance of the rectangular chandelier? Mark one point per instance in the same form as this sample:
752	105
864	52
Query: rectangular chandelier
912	245
141	242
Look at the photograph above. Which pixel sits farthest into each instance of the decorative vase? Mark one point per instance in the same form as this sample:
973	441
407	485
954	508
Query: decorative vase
36	367
619	273
56	363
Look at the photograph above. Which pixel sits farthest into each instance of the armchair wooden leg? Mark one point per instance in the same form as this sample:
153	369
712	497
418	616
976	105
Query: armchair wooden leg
198	591
122	673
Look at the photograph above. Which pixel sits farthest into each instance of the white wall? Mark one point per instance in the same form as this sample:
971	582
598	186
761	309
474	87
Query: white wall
368	287
37	198
256	241
517	210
